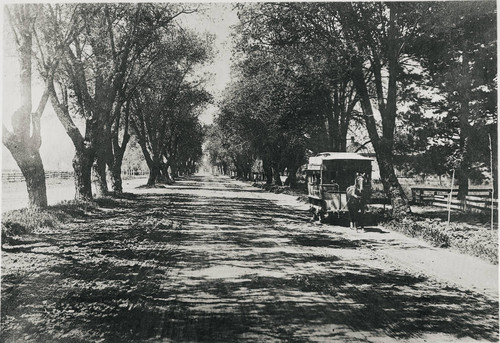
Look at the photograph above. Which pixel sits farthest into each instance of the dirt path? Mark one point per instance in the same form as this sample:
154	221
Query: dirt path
214	260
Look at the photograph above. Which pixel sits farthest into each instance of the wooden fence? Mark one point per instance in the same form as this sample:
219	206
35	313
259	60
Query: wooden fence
478	199
16	176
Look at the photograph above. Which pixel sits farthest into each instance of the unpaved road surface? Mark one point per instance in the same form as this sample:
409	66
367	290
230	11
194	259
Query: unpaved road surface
210	259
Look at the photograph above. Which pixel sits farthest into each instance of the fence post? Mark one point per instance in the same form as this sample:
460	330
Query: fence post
450	195
492	181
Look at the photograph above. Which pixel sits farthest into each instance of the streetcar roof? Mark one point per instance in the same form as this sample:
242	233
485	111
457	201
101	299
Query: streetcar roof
331	156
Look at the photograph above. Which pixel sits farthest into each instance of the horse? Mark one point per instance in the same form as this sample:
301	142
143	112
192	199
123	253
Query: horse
357	196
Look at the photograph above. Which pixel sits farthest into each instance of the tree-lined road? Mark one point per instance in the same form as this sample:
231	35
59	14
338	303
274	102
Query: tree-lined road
212	259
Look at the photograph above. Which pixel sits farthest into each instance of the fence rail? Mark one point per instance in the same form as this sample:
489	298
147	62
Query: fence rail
478	200
19	177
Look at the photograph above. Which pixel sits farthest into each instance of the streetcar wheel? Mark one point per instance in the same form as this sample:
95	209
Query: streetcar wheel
314	214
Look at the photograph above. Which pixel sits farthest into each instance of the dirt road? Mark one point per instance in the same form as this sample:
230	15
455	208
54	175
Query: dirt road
210	259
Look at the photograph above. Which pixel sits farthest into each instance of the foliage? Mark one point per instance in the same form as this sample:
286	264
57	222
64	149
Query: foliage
166	105
134	159
29	221
403	61
25	221
186	150
111	51
344	49
216	147
271	112
457	48
474	241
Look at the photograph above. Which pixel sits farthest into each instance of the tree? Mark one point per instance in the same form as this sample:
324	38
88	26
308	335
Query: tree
217	148
458	47
100	62
185	149
378	34
136	53
270	112
25	139
166	98
366	41
229	148
291	30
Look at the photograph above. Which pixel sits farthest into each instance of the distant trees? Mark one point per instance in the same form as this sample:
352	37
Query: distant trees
186	137
217	146
270	113
164	109
420	76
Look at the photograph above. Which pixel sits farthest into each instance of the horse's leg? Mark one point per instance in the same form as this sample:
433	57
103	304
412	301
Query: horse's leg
360	218
351	218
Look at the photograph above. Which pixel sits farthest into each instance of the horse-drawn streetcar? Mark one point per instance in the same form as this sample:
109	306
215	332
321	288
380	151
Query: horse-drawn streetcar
338	182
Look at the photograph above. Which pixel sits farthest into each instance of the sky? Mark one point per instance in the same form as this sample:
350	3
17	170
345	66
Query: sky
217	19
57	149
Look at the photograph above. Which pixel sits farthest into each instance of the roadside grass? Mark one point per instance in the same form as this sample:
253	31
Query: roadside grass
27	221
467	233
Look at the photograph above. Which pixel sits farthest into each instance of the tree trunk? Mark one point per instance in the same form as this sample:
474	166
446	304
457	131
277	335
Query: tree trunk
291	180
117	150
465	130
116	168
82	166
116	178
35	183
463	181
154	173
100	181
494	148
175	171
268	172
166	175
276	175
25	140
331	124
30	163
392	187
383	149
344	127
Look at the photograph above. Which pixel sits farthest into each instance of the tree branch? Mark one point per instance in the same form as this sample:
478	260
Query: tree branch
65	119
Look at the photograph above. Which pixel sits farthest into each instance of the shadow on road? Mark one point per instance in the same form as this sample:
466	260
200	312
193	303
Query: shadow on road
189	267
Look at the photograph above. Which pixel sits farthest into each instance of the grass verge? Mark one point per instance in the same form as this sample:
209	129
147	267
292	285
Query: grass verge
26	221
472	240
